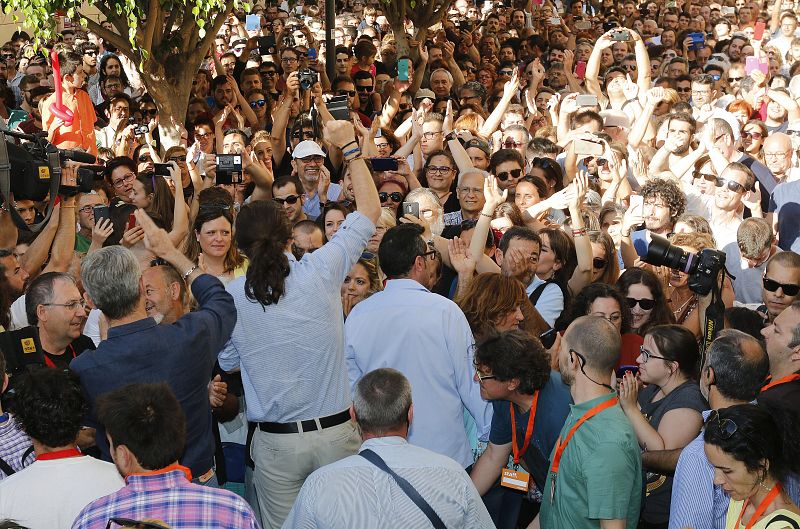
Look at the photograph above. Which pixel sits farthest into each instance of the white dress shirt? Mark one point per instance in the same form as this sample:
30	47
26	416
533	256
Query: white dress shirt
427	338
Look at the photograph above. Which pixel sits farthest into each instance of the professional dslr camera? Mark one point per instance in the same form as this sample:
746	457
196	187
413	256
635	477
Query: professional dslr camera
703	267
307	78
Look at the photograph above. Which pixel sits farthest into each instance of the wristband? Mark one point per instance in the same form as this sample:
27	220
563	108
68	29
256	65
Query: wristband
189	272
485	215
352	151
579	232
346	144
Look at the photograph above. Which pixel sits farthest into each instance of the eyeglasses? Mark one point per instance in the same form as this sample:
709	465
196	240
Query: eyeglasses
269	73
793	133
645	304
149	111
364	88
90	53
471	190
726	426
395	196
509	143
86	209
514	173
482	377
382	145
647	355
756	135
439	169
705	176
777	155
307	135
201	135
599	263
70	305
430	135
180	158
291	199
772	286
127	179
348	93
734	79
289	59
258	103
732	185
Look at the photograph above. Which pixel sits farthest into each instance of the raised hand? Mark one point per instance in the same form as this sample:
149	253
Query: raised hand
491	192
460	257
102	230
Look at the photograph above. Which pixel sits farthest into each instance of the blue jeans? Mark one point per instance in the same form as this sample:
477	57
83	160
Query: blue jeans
212	481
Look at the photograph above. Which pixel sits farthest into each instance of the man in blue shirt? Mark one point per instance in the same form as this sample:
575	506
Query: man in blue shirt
139	350
514	370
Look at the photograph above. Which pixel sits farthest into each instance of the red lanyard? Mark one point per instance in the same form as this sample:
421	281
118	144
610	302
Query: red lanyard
59	454
528	431
586	416
49	363
773	493
782	380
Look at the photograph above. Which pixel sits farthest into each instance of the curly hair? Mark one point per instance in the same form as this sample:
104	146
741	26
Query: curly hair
697	240
50	406
488	298
515	355
669	192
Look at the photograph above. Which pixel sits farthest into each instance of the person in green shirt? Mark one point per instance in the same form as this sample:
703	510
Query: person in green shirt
83	237
595	476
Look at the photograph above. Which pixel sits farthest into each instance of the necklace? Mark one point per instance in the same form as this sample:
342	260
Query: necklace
683	306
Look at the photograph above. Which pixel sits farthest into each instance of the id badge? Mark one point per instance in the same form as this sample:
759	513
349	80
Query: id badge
515	479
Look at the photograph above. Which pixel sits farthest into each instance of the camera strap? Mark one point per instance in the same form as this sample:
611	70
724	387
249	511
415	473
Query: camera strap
714	317
5	190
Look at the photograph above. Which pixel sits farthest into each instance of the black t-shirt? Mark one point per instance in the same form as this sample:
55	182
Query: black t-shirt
74	349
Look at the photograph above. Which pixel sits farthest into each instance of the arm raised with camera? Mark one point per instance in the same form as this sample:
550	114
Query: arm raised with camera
280	119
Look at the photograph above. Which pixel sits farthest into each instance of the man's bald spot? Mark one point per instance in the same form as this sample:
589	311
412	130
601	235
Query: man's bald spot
778	141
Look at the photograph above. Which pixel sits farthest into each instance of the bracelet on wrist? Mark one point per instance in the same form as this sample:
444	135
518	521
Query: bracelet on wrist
579	232
343	147
486	215
354	150
189	272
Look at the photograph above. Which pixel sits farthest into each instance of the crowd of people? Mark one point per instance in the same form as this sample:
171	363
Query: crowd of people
411	293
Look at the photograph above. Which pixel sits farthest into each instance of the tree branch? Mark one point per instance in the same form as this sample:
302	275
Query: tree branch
117	41
152	24
161	32
173	16
117	21
211	33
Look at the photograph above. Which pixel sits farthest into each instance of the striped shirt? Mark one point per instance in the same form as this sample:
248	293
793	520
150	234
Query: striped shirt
291	353
170	497
353	493
14	445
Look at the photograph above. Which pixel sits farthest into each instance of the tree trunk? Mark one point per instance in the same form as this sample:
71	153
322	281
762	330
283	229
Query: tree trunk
171	96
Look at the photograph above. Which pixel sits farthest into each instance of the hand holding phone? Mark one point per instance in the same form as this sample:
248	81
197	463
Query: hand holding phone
411	208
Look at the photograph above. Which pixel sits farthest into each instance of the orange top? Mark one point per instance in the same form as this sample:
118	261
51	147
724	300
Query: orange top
80	134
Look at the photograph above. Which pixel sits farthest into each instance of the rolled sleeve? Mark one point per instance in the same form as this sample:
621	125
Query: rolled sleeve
339	255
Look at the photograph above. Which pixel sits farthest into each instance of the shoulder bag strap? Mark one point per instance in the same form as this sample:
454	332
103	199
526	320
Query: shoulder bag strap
538	291
6	468
407	487
783	519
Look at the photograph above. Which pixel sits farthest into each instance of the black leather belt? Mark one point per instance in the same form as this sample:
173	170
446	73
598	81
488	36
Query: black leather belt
308	425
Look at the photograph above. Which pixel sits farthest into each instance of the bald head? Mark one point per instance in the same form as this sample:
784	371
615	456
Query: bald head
778	153
597	340
778	141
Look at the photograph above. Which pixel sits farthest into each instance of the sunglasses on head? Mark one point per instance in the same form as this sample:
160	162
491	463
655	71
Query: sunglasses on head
599	263
514	173
773	286
726	426
291	199
395	196
258	103
732	185
646	304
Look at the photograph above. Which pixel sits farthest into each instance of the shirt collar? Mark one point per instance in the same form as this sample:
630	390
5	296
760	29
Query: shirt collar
404	284
163	478
393	440
589	404
130	328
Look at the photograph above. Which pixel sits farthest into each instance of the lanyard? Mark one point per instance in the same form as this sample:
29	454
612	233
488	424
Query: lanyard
59	454
174	466
560	446
782	380
528	431
773	493
49	363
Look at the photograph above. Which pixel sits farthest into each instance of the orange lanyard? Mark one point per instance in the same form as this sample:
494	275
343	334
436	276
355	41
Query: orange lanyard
170	468
528	431
560	446
782	380
773	493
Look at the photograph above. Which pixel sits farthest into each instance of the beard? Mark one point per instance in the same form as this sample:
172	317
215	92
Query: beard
566	375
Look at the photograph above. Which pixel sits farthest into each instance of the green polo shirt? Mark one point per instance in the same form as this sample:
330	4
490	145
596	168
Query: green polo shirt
600	474
82	243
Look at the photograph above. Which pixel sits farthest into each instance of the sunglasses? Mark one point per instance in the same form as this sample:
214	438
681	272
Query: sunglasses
732	185
149	111
395	196
145	158
483	377
269	73
755	135
291	199
307	134
684	90
705	176
364	88
514	173
349	93
181	158
599	263
258	103
772	286
90	53
510	144
645	304
726	426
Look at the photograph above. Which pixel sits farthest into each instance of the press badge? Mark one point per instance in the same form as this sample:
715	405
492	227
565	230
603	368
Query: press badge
515	479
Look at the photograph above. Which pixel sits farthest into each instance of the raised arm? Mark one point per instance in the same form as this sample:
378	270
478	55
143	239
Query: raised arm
342	135
509	91
280	119
180	216
582	275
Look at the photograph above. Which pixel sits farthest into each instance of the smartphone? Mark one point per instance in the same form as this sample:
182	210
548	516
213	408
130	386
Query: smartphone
141	130
312	54
728	10
548	338
622	369
384	164
101	211
411	208
338	107
266	45
583	25
229	169
131	221
586	100
636	201
698	41
756	63
554	21
252	23
588	148
580	70
621	36
758	30
402	70
161	169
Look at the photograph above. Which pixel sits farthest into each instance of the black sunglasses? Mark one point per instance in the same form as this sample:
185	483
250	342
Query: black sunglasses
145	158
364	88
350	93
646	304
269	73
514	173
732	185
291	199
149	111
258	103
394	195
599	263
772	286
705	176
726	426
181	158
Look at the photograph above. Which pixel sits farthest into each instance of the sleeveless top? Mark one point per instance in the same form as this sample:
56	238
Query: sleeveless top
777	519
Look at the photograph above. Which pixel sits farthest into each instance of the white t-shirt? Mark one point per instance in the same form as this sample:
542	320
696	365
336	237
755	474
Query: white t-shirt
64	485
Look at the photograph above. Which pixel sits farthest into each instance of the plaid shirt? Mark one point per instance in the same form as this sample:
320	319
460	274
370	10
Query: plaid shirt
14	443
170	497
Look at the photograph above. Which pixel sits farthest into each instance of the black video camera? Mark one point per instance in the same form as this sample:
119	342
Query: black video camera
703	268
307	78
